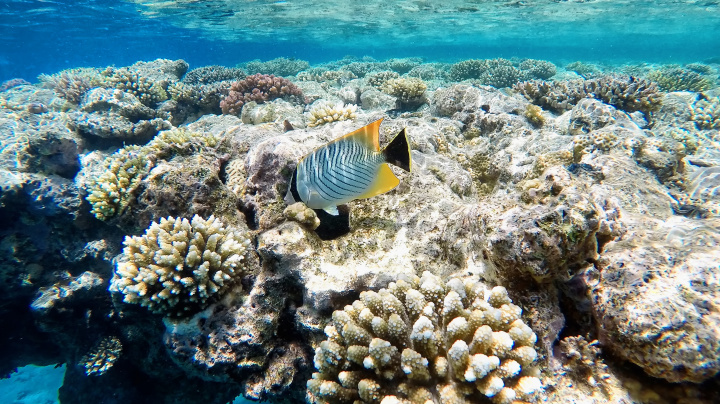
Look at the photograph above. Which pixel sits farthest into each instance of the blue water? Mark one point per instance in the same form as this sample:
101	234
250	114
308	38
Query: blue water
32	385
47	36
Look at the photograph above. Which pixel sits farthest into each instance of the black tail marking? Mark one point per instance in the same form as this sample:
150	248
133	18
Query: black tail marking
397	152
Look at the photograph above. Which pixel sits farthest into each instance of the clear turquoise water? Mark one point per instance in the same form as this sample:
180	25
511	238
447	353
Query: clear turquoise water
47	36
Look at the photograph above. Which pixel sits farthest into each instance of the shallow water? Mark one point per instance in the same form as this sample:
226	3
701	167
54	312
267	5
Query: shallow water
637	172
46	36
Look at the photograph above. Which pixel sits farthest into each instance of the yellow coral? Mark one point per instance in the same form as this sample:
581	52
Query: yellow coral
406	90
395	345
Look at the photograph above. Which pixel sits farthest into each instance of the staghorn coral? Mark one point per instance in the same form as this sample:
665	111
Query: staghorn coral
426	340
538	69
706	113
102	356
70	86
112	192
213	74
679	79
179	266
410	92
258	88
325	112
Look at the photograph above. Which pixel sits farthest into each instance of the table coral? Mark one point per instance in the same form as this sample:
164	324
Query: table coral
425	339
258	88
179	266
278	66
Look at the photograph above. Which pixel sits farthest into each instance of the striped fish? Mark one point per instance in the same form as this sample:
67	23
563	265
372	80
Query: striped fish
348	168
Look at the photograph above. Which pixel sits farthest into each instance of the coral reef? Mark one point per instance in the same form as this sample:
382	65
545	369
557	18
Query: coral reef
112	191
706	113
213	74
629	94
679	79
278	67
322	113
148	92
538	69
410	92
258	88
102	356
180	266
424	339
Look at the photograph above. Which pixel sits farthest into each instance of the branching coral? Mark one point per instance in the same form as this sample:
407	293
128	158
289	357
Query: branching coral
467	69
379	79
706	113
679	79
102	357
426	340
213	74
538	69
178	266
148	92
70	86
258	88
410	92
627	93
279	66
112	191
324	112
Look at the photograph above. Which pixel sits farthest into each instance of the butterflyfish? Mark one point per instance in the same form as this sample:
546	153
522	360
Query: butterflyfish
348	168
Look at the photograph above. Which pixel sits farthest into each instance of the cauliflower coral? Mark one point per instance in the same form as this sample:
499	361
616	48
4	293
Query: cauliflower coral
426	340
179	266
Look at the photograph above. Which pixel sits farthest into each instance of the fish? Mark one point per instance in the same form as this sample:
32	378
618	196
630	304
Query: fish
348	168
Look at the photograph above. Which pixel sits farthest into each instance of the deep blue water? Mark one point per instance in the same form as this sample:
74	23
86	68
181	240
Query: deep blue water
47	36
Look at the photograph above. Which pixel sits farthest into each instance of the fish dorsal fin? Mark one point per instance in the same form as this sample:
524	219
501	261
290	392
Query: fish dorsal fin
384	182
368	136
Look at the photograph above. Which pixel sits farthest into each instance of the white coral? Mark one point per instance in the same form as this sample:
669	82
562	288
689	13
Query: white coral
325	112
178	265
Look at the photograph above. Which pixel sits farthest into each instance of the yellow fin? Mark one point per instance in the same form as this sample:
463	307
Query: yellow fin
368	135
384	182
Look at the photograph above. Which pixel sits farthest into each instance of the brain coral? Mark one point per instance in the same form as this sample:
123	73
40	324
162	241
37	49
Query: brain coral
179	266
258	88
426	340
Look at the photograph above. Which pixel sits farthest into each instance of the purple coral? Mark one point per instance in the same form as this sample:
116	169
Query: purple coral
258	88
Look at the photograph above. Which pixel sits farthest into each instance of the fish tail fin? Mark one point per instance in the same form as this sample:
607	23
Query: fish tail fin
397	152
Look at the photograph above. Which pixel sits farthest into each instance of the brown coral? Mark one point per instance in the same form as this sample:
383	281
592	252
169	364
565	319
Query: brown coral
258	88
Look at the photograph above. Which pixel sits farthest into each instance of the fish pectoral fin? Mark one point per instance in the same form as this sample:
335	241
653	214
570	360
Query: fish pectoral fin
333	210
384	181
